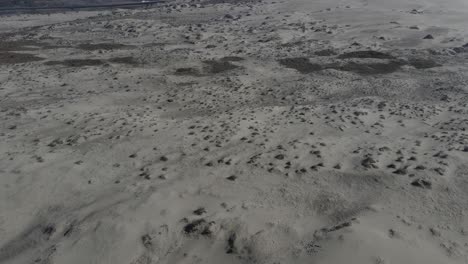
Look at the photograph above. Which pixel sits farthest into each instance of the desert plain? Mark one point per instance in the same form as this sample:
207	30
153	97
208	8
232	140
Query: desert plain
230	131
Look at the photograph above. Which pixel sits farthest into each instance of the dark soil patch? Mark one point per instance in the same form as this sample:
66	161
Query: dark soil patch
199	211
20	45
422	184
231	247
194	226
16	45
187	71
230	1
429	37
423	63
124	60
327	52
279	157
232	58
371	68
76	63
303	65
14	58
232	178
292	44
460	49
220	66
25	45
338	227
365	54
102	46
198	227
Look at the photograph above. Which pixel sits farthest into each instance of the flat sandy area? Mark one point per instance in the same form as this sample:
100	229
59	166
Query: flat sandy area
318	132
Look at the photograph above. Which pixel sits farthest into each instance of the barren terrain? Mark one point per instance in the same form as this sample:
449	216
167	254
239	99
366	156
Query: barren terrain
236	132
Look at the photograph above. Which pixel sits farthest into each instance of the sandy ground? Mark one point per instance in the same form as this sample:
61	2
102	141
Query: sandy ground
222	132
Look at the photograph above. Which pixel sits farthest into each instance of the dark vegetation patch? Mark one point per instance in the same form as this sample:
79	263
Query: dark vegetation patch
234	2
215	66
147	241
31	238
460	49
292	44
303	65
199	211
102	46
194	226
25	45
124	60
326	52
76	62
338	227
231	58
365	54
14	58
17	45
231	247
68	230
423	63
429	37
421	183
187	71
198	227
232	178
371	68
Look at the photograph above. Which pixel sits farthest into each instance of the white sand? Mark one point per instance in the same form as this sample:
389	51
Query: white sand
257	137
